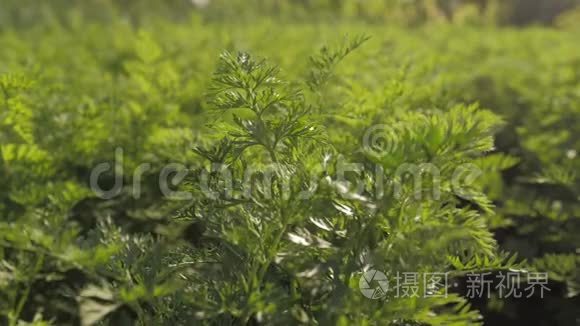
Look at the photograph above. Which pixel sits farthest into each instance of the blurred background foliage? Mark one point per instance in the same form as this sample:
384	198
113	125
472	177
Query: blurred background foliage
404	12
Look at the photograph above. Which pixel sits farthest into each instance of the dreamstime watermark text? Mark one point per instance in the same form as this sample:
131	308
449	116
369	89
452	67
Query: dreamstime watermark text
220	181
350	178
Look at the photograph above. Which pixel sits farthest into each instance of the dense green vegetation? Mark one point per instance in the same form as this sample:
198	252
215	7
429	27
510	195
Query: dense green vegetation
295	144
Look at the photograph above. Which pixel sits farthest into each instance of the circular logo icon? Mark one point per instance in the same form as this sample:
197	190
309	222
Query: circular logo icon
373	284
380	139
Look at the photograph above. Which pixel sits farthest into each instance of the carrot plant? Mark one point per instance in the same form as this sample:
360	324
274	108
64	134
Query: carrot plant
202	170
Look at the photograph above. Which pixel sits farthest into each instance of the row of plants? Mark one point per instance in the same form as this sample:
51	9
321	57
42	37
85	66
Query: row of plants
297	104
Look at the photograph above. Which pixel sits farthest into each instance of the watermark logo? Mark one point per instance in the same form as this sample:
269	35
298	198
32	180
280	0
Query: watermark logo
507	285
379	139
374	284
353	180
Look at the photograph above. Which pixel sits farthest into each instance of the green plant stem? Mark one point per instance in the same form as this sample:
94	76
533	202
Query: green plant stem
261	270
20	306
